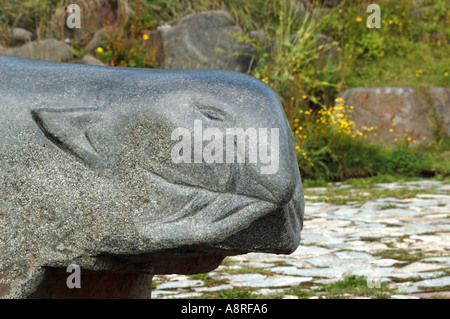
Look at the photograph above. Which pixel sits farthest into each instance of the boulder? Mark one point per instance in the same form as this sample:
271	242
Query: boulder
440	100
21	35
46	49
205	40
390	113
89	59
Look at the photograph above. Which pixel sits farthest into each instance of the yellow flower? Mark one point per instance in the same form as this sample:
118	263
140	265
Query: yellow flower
424	138
391	130
409	138
100	50
304	96
390	21
395	139
414	141
446	74
145	37
394	124
358	19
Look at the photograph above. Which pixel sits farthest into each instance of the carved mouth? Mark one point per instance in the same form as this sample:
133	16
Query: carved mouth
208	217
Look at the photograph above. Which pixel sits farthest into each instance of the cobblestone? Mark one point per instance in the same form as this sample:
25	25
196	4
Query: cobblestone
402	242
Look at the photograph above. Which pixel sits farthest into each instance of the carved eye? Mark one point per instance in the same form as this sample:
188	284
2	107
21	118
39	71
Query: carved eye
212	113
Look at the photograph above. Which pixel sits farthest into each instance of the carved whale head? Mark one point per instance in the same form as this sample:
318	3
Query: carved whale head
214	146
137	170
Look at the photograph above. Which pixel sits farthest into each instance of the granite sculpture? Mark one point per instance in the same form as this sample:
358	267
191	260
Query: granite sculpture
89	175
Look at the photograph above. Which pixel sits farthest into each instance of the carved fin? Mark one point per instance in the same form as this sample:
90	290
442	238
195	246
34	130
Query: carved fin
68	130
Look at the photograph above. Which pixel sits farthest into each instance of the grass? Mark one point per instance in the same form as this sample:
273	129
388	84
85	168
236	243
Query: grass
389	206
342	196
392	55
248	270
350	286
236	294
401	255
353	286
361	190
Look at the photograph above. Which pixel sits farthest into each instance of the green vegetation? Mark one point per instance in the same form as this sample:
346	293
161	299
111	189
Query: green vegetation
248	270
401	255
355	286
410	49
348	287
235	294
362	190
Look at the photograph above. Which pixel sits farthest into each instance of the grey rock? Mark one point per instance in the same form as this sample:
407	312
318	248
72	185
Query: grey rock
207	39
310	251
406	288
440	99
310	272
404	297
417	275
385	262
88	176
89	59
444	260
352	255
436	282
46	49
381	107
164	293
188	295
261	281
214	288
21	35
180	284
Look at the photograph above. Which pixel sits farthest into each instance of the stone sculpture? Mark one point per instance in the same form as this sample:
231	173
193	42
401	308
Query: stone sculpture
88	175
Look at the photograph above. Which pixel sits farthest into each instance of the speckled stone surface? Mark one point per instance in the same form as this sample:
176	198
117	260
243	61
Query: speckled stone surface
86	174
